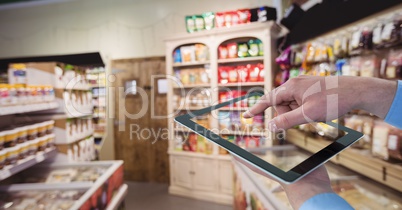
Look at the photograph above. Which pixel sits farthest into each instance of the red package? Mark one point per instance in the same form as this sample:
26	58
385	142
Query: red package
253	73
243	73
222	97
233	77
243	103
228	19
261	76
223	52
219	19
252	141
223	75
232	50
235	18
244	16
192	140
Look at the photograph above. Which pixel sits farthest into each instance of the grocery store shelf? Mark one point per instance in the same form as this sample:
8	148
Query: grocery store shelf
19	109
360	161
76	87
237	133
23	164
202	155
193	86
190	64
245	84
98	86
241	60
118	198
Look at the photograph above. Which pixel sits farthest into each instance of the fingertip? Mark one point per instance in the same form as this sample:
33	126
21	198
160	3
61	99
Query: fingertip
247	114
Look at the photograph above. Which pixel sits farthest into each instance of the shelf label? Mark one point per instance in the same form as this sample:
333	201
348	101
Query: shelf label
5	173
40	158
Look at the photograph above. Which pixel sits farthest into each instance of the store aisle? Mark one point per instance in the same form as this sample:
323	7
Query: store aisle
155	196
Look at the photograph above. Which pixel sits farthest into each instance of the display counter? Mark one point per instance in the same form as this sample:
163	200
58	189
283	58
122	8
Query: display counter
254	191
94	185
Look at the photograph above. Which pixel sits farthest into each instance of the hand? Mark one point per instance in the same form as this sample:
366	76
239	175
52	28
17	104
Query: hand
308	99
314	183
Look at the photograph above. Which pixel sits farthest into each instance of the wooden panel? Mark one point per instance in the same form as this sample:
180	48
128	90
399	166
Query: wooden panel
141	144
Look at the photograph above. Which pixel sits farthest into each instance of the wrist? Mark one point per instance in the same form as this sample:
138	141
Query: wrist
298	193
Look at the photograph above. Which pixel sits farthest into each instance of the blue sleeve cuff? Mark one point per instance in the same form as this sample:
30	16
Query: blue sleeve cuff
327	201
394	116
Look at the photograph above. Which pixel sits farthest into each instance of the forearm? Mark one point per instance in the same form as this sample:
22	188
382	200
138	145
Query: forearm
300	192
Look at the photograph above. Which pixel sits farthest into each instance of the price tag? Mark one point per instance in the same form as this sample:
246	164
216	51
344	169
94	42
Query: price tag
5	173
40	158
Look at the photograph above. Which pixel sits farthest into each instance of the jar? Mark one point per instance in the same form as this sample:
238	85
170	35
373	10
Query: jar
2	139
22	134
50	140
42	143
49	126
2	158
10	138
13	94
42	127
32	132
5	95
33	147
21	94
23	150
12	155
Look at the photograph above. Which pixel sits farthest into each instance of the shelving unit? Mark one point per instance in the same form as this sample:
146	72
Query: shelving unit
21	109
186	180
26	163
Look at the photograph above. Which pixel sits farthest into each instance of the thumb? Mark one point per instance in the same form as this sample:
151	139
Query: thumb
287	120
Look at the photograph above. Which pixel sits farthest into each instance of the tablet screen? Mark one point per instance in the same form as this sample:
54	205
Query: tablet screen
251	141
252	134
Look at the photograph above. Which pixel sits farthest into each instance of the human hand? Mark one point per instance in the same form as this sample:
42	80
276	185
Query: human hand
314	183
306	99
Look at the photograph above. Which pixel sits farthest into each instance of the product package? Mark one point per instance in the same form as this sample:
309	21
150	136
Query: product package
190	24
199	22
232	50
223	52
201	52
262	14
209	20
394	65
177	56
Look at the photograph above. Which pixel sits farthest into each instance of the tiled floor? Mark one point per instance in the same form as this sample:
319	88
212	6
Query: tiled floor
155	196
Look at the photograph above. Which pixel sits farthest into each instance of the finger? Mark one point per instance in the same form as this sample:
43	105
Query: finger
275	97
281	109
288	120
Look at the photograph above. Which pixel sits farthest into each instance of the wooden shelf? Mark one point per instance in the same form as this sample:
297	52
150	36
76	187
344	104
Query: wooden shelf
360	161
190	64
245	84
194	86
241	60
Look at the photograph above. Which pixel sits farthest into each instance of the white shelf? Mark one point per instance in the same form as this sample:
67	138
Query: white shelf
70	140
98	86
236	133
118	198
190	64
26	163
198	154
233	109
241	60
244	84
19	109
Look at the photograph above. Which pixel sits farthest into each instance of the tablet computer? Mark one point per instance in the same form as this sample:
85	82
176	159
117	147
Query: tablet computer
285	174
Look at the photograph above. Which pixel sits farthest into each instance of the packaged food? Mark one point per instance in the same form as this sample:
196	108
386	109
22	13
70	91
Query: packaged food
232	73
177	56
223	72
380	140
2	158
242	73
179	140
192	140
253	72
42	127
32	132
252	100
228	18
395	143
201	146
391	32
232	50
23	150
240	141
187	54
224	121
394	67
369	66
42	144
190	24
258	122
199	22
223	52
366	40
246	123
33	146
22	134
49	126
220	19
244	16
10	138
209	20
242	50
252	141
2	140
204	76
12	155
377	30
235	121
5	96
356	40
201	52
253	47
13	94
50	140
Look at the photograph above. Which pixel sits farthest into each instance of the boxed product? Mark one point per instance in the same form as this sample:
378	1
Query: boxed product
220	19
187	54
262	14
223	52
201	52
209	20
190	24
232	50
177	56
244	16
